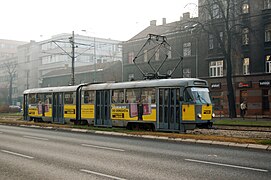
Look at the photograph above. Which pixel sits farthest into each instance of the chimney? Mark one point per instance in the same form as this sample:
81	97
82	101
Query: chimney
186	16
164	20
153	23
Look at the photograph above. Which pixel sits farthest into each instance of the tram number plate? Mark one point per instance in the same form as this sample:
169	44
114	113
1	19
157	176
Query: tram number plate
118	115
207	112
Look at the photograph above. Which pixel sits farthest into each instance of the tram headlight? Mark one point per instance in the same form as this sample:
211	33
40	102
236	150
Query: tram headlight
199	115
213	115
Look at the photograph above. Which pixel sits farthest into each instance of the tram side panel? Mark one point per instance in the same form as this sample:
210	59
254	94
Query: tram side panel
197	113
121	114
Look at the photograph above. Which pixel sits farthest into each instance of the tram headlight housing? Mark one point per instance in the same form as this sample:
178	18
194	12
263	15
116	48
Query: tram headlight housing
199	115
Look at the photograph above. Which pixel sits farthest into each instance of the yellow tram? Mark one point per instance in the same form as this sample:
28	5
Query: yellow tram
161	104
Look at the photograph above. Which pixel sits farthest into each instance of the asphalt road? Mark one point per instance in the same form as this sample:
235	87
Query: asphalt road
29	153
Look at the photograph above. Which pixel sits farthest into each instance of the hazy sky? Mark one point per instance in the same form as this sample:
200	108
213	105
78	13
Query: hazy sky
26	20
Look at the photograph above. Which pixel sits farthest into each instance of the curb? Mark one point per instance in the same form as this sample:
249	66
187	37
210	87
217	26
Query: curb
230	144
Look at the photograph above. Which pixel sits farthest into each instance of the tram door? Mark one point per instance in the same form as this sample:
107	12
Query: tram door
25	108
169	109
58	108
102	108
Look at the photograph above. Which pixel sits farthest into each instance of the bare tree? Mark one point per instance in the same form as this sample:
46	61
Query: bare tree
219	19
3	95
11	69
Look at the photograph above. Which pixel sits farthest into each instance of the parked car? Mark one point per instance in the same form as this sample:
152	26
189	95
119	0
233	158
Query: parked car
14	108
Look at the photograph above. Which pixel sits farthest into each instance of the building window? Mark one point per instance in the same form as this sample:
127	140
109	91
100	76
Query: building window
245	36
268	63
131	57
245	8
145	55
267	36
27	59
268	66
187	73
246	66
221	36
216	68
211	41
267	4
187	49
215	12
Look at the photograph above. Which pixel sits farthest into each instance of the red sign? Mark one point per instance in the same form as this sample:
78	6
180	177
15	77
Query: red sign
244	84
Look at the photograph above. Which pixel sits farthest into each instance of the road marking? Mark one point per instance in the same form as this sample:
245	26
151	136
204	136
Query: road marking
212	155
227	165
101	174
102	147
17	154
38	138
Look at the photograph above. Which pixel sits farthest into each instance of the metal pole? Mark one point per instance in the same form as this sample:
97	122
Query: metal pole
94	77
73	58
197	61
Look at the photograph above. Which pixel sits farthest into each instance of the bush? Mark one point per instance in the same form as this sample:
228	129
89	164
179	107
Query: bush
4	108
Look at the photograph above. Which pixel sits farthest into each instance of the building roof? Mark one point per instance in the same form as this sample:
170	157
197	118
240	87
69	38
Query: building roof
165	28
80	69
159	30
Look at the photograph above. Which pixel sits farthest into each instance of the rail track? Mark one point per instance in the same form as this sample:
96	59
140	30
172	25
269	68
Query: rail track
243	128
236	131
257	132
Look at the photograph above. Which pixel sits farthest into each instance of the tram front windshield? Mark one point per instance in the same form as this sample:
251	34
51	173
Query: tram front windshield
197	95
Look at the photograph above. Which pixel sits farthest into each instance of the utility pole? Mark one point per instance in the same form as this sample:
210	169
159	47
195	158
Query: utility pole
73	59
95	68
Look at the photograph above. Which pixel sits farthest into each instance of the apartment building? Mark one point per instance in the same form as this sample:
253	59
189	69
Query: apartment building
204	52
36	60
8	70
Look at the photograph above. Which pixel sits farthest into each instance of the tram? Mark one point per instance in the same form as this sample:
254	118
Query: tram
163	104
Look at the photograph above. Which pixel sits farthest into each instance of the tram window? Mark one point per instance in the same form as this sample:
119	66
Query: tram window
69	98
133	95
85	97
187	97
118	96
148	95
197	95
40	98
48	98
32	99
89	97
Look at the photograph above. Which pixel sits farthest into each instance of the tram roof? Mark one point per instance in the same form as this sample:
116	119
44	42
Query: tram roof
51	89
149	83
178	82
